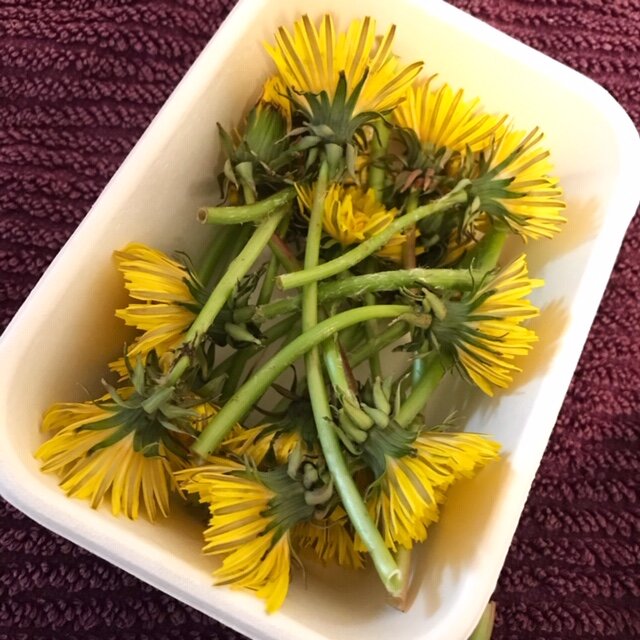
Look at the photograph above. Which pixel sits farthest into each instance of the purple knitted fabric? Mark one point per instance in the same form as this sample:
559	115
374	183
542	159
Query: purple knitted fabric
79	82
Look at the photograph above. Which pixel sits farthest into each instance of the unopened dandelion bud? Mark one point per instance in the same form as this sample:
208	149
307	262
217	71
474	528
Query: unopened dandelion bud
380	418
380	397
348	444
351	430
438	307
356	414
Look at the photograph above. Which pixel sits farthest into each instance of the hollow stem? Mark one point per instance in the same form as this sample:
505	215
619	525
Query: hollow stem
486	254
250	212
434	369
352	501
366	248
353	286
381	341
347	489
214	254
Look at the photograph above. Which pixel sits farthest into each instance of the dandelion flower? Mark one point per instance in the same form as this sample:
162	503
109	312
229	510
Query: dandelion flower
310	61
167	292
519	189
96	451
482	331
412	472
252	514
352	215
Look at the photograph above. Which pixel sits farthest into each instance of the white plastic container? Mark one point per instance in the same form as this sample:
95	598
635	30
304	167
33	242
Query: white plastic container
65	332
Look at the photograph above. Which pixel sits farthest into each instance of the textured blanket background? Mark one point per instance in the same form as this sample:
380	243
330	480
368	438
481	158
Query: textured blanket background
79	82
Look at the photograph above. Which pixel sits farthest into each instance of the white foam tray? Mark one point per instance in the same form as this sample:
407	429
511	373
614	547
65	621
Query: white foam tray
65	332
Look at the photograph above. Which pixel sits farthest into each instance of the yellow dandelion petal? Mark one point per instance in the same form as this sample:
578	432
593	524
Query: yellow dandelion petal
254	442
310	60
485	332
537	213
443	118
274	93
90	472
330	539
405	500
353	215
166	307
245	526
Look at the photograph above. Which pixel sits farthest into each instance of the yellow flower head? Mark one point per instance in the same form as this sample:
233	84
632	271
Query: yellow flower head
412	474
310	61
441	118
353	215
482	331
406	501
95	452
530	202
166	291
252	514
330	539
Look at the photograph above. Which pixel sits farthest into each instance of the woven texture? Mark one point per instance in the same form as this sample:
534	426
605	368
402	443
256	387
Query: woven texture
79	82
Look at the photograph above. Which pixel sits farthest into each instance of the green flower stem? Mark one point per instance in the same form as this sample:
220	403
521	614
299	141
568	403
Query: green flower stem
434	369
359	285
230	251
405	560
237	269
485	255
347	489
277	331
178	368
417	370
269	280
334	364
379	145
385	338
351	338
366	248
282	252
214	254
485	627
252	390
250	212
371	329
